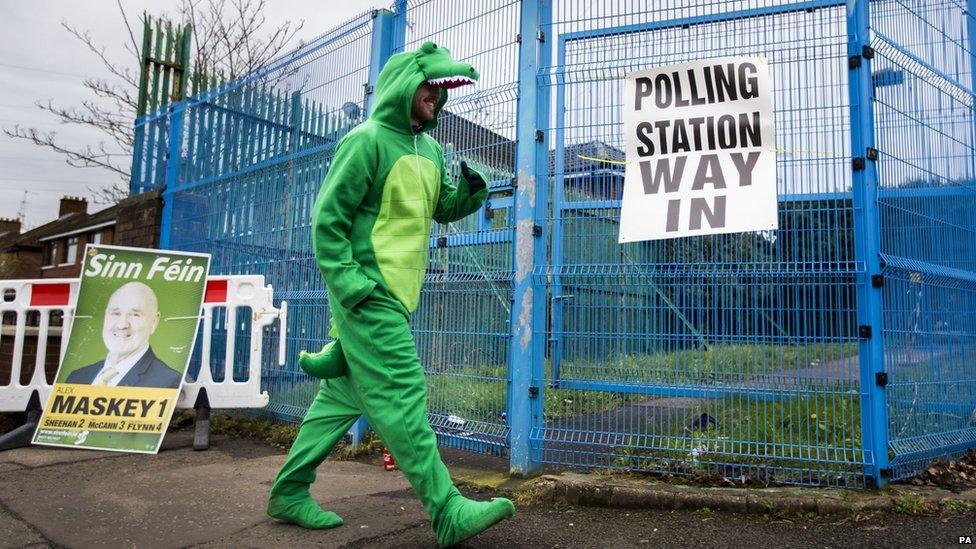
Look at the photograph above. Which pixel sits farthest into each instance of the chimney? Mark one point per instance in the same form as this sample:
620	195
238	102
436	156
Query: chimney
72	204
9	226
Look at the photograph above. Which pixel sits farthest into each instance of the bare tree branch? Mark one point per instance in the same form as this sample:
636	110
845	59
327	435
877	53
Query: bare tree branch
132	37
230	38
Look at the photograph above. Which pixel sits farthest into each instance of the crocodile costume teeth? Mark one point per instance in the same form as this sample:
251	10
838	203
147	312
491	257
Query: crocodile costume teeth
370	232
450	82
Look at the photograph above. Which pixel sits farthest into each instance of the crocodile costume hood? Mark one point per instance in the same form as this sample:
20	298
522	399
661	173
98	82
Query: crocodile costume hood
404	72
385	186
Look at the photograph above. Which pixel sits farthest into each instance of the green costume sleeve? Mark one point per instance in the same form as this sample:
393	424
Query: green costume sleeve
457	202
345	187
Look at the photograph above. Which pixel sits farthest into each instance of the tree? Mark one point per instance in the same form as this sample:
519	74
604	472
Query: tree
229	39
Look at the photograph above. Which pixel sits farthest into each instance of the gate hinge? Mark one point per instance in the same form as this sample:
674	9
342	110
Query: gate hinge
441	241
540	34
518	38
864	331
881	379
539	136
872	154
854	61
367	89
877	281
536	230
533	392
857	163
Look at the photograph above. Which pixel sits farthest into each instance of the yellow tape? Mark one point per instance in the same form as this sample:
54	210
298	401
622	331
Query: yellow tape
607	160
782	151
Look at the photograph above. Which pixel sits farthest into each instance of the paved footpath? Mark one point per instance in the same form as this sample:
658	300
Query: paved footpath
76	498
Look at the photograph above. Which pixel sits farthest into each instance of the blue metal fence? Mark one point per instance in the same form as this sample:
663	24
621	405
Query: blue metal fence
839	349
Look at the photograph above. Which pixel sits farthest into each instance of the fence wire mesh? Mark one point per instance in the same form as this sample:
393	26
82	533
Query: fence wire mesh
927	206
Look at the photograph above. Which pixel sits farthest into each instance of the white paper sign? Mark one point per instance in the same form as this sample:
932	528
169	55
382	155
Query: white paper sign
701	155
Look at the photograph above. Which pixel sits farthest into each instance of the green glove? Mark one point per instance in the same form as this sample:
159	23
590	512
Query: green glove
475	181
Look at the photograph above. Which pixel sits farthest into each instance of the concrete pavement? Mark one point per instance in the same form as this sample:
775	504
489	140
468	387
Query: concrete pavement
77	498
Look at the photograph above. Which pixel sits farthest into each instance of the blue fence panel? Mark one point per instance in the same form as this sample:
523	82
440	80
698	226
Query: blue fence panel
927	202
462	323
252	156
149	152
730	354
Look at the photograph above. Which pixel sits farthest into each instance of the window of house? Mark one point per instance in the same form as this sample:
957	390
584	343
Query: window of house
50	253
71	251
95	238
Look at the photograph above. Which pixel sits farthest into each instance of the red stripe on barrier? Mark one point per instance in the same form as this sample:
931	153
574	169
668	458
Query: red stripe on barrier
216	291
47	295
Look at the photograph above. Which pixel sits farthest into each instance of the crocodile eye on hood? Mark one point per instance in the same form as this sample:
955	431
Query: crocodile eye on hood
404	72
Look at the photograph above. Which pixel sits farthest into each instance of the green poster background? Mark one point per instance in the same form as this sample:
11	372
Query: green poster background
179	307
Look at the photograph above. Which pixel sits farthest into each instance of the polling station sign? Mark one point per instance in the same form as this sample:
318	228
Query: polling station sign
700	150
130	341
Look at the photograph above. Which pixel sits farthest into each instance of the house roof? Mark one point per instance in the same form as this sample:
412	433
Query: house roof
31	240
478	142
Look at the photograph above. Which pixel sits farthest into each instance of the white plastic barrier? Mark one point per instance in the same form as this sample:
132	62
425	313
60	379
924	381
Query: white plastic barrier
234	292
20	297
45	296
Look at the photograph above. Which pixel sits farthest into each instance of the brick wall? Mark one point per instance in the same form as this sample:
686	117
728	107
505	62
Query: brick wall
20	264
138	221
52	354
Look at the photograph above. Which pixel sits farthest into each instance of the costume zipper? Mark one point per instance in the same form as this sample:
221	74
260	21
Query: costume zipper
423	186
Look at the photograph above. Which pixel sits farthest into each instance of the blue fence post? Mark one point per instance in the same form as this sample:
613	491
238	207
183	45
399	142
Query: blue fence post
971	38
528	315
381	47
173	159
399	25
867	245
138	142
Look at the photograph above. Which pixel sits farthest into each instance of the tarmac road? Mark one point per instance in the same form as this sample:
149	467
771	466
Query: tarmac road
587	527
179	498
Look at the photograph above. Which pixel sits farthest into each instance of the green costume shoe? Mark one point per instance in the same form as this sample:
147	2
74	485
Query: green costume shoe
325	364
303	512
467	518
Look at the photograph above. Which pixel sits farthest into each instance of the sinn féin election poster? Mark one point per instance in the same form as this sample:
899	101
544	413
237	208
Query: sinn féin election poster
129	345
701	155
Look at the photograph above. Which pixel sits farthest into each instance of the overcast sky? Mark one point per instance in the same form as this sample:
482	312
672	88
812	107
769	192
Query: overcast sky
40	61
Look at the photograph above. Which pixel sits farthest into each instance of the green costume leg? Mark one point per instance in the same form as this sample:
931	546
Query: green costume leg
330	416
327	363
385	373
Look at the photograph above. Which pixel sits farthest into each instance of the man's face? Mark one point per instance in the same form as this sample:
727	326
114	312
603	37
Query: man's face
130	318
424	103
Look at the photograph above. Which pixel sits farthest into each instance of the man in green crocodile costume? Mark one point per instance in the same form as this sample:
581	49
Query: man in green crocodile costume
371	229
